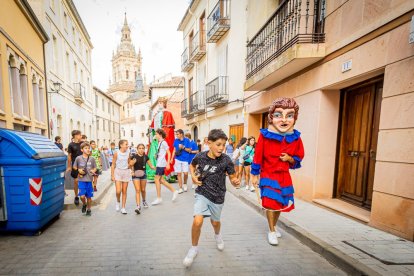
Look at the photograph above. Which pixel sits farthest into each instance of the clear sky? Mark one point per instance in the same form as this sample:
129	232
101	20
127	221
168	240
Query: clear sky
153	29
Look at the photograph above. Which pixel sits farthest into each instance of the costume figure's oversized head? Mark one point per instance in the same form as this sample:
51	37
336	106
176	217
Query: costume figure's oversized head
162	103
283	114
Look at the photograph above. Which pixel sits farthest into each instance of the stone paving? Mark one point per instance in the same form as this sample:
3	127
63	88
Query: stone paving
347	235
155	243
104	181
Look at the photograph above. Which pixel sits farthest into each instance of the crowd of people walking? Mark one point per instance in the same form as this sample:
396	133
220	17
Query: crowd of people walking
129	165
208	163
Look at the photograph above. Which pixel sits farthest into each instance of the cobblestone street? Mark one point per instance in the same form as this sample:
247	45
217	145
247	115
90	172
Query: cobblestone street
155	243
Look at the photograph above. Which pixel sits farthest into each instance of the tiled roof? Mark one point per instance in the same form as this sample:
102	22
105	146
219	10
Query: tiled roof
174	82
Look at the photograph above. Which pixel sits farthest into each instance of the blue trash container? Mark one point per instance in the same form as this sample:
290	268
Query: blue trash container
32	170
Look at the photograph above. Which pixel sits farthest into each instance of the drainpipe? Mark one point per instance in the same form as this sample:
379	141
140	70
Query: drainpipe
47	94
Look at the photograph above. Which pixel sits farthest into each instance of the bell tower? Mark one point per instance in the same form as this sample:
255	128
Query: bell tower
126	66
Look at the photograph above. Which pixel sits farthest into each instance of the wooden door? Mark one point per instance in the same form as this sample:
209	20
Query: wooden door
358	143
236	133
190	43
202	32
265	120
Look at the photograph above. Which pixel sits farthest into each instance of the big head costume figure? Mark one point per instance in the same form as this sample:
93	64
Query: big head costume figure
161	119
284	151
279	149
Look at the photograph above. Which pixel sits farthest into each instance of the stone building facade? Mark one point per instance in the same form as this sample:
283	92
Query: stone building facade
214	40
107	118
68	62
349	65
23	87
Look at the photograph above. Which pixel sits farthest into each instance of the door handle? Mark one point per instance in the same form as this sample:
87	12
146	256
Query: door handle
353	153
372	154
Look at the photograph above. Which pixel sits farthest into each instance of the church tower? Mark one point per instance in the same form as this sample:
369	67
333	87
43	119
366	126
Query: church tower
126	66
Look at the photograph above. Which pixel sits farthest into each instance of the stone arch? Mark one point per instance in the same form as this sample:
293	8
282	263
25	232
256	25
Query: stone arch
195	133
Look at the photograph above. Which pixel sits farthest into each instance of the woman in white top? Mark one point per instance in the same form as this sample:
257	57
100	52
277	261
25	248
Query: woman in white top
163	162
204	146
241	151
121	174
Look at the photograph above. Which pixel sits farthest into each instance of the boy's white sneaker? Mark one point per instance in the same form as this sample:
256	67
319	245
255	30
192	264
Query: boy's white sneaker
219	242
278	234
272	238
185	187
123	211
117	208
193	186
180	191
157	201
188	260
246	187
252	189
175	194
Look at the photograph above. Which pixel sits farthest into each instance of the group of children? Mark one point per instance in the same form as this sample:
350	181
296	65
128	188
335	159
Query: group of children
85	165
279	148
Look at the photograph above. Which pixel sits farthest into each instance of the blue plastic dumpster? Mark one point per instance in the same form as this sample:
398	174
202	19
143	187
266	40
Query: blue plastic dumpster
32	171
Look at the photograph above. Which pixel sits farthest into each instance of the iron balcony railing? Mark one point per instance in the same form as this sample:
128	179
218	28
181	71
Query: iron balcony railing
80	92
197	102
184	109
217	91
186	65
218	22
294	22
197	46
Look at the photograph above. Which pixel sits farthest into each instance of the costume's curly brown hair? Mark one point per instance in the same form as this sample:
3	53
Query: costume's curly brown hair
285	103
163	100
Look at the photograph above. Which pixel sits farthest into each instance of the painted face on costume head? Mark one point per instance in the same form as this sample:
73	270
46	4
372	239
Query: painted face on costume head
284	120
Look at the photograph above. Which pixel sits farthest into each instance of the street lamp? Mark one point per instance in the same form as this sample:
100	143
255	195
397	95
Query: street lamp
56	86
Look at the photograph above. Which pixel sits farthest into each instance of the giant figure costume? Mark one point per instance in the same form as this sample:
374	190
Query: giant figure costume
162	119
275	184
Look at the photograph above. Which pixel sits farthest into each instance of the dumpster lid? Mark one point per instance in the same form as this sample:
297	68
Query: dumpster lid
34	145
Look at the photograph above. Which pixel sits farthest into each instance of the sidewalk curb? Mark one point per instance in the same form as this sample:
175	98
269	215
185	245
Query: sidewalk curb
95	201
348	264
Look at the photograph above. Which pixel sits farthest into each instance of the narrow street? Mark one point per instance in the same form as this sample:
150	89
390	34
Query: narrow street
155	243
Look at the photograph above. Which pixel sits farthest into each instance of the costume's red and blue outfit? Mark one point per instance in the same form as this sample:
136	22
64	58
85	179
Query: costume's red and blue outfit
276	186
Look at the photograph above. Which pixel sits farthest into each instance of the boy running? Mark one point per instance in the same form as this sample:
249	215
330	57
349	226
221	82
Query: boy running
208	171
86	166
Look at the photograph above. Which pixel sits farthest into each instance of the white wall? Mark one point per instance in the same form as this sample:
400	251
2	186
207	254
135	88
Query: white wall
235	42
59	70
138	127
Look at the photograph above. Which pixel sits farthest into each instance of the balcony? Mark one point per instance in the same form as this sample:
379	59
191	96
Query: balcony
197	46
80	95
184	109
217	92
186	65
197	102
218	22
292	38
